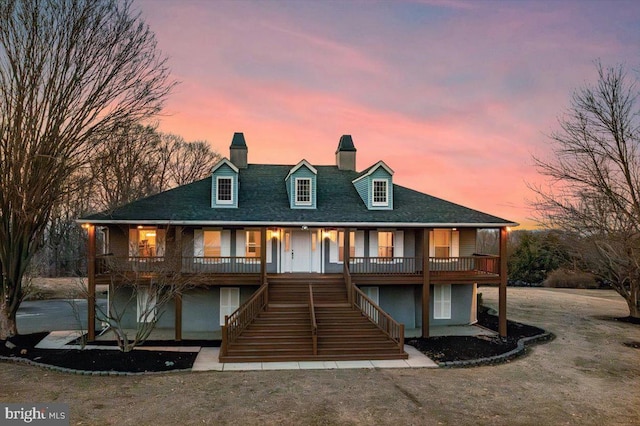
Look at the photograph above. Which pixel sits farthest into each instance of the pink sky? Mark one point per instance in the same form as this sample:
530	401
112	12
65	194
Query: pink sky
454	96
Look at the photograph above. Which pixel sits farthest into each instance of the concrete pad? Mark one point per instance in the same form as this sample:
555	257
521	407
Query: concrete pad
317	365
242	366
354	364
290	365
58	339
390	363
208	360
417	359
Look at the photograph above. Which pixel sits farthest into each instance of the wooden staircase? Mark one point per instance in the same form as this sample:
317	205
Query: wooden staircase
283	332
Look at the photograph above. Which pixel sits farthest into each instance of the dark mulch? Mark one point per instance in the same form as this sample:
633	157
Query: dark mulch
465	348
170	343
629	319
635	345
136	361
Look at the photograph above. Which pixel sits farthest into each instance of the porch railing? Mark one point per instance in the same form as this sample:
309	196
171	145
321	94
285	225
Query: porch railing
485	264
380	318
240	319
314	324
221	264
385	265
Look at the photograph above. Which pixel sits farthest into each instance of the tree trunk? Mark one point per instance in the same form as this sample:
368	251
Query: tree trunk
8	326
633	301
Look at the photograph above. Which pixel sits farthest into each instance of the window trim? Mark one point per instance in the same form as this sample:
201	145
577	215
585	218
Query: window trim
297	201
218	200
445	303
384	203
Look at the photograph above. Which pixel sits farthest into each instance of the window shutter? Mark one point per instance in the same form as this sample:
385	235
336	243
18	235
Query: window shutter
359	242
442	301
333	247
133	242
229	301
225	243
455	243
269	250
432	244
161	238
398	244
241	243
198	243
373	243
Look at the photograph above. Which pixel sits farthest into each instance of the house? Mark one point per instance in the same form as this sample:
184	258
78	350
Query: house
299	261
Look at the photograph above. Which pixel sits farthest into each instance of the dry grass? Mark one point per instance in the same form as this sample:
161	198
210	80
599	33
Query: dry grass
586	376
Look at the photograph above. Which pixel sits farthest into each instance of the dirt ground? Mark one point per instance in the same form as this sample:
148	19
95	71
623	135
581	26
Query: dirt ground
39	288
585	376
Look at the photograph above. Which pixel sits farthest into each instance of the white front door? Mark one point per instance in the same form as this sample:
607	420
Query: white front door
300	251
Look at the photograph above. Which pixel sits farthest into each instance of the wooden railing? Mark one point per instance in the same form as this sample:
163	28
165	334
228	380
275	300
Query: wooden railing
386	265
380	318
235	323
485	264
314	324
347	282
221	264
194	264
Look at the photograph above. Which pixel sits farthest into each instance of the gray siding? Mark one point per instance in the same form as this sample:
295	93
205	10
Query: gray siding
461	299
398	301
467	241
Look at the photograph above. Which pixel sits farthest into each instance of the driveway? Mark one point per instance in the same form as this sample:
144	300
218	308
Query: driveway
50	315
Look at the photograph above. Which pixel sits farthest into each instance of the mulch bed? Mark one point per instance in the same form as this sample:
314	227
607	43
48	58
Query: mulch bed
96	359
443	349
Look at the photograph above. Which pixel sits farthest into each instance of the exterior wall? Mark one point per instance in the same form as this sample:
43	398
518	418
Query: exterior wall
200	308
397	301
119	240
467	241
224	171
461	299
302	172
329	267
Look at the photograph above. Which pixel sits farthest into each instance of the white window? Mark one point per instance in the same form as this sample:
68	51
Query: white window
444	243
385	244
224	190
380	192
303	191
442	301
212	243
352	245
146	241
146	305
229	301
253	244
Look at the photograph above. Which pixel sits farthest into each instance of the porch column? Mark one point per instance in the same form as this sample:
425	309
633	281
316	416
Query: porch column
347	246
91	284
177	298
502	291
426	283
263	255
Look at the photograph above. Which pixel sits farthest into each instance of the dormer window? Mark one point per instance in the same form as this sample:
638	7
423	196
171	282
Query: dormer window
224	190
380	192
303	191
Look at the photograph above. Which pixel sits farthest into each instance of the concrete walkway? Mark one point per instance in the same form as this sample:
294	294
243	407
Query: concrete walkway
207	359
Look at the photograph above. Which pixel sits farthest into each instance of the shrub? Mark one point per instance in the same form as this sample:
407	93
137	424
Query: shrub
565	278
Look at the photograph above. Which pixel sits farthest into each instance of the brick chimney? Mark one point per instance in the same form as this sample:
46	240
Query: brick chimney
238	151
346	154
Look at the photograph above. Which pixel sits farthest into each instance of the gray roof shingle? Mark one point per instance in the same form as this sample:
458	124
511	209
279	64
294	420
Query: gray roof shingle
263	199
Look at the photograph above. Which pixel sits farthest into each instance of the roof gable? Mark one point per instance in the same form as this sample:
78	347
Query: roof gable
302	163
371	170
223	162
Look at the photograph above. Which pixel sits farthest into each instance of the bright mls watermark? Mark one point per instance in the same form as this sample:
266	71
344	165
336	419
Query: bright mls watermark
36	414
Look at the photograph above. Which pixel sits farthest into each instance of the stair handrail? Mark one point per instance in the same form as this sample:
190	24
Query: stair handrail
240	319
314	324
380	318
347	281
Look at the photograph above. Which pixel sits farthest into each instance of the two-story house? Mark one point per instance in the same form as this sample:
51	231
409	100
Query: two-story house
299	261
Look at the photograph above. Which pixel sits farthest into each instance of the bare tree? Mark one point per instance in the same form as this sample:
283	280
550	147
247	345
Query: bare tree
69	70
189	161
594	180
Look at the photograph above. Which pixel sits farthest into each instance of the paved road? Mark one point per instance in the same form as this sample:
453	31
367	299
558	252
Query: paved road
50	315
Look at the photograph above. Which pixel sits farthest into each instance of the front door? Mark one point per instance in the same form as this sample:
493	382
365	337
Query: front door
300	251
